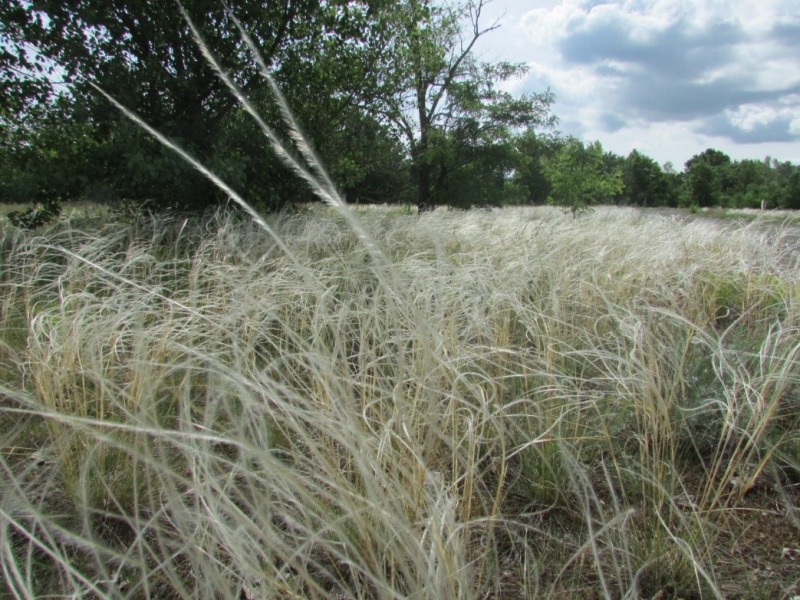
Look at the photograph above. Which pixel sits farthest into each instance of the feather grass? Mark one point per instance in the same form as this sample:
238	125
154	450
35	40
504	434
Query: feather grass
504	404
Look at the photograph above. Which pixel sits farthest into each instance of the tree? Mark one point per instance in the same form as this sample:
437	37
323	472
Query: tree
786	184
791	195
674	184
614	163
645	182
532	153
45	163
436	93
766	183
367	162
578	177
750	184
143	53
707	178
470	168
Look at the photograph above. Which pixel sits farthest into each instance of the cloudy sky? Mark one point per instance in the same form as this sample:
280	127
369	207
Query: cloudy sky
667	77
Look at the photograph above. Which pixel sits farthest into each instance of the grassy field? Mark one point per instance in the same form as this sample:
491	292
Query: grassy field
508	404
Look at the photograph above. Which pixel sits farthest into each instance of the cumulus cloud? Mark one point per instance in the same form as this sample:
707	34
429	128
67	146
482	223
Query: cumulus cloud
729	68
759	123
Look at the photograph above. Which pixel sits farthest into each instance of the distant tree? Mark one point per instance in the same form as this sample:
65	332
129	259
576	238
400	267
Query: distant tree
707	179
365	160
47	156
786	186
533	150
673	184
751	181
701	188
614	163
12	145
711	157
469	167
791	196
368	162
645	182
578	176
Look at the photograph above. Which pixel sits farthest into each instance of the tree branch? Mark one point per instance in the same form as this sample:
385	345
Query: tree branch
452	72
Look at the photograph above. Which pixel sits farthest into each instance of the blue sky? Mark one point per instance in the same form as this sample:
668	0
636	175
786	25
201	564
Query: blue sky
667	77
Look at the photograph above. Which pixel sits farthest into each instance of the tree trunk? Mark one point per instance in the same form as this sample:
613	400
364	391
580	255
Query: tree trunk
422	159
424	187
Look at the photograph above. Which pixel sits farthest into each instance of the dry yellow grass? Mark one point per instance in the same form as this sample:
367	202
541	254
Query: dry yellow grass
532	407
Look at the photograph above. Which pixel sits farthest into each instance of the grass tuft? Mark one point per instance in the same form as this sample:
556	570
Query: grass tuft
197	414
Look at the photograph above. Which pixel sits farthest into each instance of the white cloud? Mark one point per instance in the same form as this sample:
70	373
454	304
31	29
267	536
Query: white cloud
665	75
748	117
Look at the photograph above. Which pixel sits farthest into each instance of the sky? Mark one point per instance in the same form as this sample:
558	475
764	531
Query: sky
669	78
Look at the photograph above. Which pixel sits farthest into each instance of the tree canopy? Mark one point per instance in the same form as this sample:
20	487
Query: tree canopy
578	176
444	102
144	55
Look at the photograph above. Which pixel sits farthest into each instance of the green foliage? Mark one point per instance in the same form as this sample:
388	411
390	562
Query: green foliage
37	215
707	178
532	152
446	104
390	95
578	177
144	55
712	179
750	181
786	184
646	184
44	160
471	168
673	183
372	83
367	162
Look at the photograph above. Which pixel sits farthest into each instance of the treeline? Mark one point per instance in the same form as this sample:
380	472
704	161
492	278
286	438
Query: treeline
389	94
568	172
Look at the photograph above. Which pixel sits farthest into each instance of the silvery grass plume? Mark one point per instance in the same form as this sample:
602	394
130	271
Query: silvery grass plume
497	406
439	526
308	167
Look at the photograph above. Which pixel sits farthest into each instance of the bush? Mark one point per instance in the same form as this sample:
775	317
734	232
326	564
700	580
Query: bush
39	214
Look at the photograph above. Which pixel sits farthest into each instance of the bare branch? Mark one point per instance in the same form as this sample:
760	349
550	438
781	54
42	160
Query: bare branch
452	72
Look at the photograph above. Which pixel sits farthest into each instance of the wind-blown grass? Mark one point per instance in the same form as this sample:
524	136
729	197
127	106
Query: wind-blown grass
490	404
538	407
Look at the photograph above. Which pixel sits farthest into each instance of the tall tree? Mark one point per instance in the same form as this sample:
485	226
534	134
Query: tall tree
785	185
533	152
751	181
143	53
674	184
614	165
436	91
